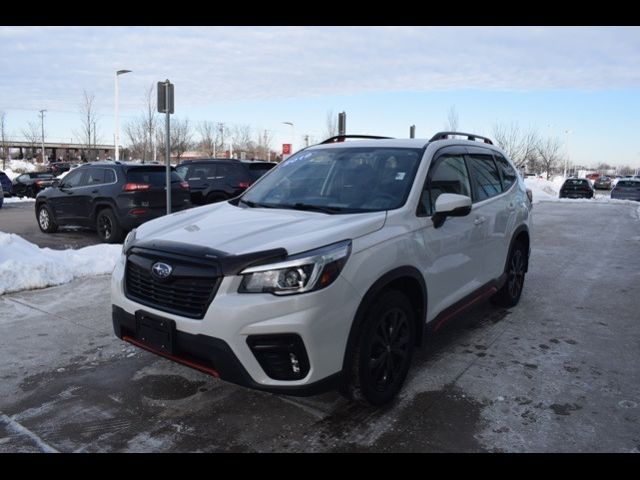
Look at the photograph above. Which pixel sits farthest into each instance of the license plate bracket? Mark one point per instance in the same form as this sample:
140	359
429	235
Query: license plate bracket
156	332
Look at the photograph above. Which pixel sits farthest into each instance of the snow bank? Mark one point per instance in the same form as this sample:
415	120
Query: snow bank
18	199
24	265
17	167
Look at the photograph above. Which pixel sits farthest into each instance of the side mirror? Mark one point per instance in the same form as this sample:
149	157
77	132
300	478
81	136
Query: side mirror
450	205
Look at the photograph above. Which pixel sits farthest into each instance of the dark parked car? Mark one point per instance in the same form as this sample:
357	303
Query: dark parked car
5	184
576	188
57	168
29	184
216	180
111	197
603	183
627	189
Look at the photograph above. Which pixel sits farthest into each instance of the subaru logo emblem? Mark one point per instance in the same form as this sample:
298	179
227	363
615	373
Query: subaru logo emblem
161	270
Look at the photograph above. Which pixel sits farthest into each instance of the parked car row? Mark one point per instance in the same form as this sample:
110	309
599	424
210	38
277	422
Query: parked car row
115	197
624	188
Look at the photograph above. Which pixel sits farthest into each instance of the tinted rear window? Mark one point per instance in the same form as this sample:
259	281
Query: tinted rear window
256	170
628	183
153	176
578	183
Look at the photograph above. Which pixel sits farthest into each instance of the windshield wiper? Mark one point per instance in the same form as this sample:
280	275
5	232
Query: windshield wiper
314	208
251	204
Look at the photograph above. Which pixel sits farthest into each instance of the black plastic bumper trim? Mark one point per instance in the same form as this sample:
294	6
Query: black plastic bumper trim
215	354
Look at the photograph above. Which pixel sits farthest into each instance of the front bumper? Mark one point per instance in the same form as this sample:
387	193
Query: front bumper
217	344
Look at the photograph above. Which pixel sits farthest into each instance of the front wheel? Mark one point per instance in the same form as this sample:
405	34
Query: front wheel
383	353
109	230
509	294
45	220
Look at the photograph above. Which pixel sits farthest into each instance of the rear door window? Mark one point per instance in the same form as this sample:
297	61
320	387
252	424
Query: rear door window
506	170
152	176
95	176
224	171
484	176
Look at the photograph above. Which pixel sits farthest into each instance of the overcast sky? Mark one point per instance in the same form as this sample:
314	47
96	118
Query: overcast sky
580	79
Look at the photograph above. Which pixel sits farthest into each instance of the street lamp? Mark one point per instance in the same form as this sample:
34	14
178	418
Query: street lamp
117	140
566	159
292	135
42	123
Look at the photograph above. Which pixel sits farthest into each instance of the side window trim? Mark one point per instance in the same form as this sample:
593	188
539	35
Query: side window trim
481	151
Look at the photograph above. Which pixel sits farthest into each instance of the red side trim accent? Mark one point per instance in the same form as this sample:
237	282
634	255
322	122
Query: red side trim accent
184	361
464	306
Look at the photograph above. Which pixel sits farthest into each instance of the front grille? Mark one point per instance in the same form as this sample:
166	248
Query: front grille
187	292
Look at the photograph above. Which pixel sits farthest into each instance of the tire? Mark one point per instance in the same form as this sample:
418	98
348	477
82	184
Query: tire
383	351
509	294
108	227
46	220
215	198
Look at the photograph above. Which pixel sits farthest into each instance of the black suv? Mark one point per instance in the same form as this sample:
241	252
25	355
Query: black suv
219	179
111	197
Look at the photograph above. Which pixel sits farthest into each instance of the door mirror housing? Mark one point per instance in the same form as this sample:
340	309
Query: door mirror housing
450	205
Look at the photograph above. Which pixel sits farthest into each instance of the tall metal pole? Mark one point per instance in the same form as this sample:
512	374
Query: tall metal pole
117	139
167	148
42	123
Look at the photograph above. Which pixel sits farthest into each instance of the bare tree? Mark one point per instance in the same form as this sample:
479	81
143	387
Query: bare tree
87	136
520	146
180	137
207	132
263	145
32	135
3	139
452	120
331	129
142	131
242	141
549	152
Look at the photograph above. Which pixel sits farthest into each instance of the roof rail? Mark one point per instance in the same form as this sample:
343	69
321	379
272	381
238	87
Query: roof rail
470	136
342	138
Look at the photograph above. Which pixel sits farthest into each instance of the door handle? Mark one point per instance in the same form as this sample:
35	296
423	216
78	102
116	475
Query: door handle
94	191
511	207
479	221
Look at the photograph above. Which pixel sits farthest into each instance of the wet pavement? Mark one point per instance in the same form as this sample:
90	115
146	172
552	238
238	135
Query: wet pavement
558	372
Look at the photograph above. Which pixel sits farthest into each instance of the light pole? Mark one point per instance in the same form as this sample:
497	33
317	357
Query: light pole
292	135
42	123
117	141
566	159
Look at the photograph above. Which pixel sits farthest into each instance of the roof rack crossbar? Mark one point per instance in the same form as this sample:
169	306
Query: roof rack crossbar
341	138
470	136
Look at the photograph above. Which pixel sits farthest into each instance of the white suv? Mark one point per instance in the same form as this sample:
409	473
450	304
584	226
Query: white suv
331	268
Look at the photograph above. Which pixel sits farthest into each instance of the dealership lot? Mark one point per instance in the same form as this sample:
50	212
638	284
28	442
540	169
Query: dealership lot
556	373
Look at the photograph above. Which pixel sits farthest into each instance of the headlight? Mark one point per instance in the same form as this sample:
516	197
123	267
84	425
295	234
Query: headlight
301	273
128	241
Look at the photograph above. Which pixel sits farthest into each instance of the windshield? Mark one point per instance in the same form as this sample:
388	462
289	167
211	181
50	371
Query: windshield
339	180
576	182
628	183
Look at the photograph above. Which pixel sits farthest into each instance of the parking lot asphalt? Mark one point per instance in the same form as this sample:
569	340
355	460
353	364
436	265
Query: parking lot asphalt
20	218
558	372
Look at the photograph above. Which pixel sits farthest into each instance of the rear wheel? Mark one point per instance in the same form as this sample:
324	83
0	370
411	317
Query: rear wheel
509	294
109	230
45	220
383	353
215	198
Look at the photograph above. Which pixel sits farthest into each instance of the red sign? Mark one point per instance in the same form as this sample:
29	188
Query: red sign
286	148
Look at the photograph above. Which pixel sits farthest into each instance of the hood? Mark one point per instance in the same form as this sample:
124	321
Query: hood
238	230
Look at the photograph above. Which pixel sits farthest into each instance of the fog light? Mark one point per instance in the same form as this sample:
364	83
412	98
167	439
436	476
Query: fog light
295	365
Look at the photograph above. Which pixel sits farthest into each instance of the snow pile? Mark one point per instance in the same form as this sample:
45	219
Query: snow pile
24	265
17	167
543	189
18	199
